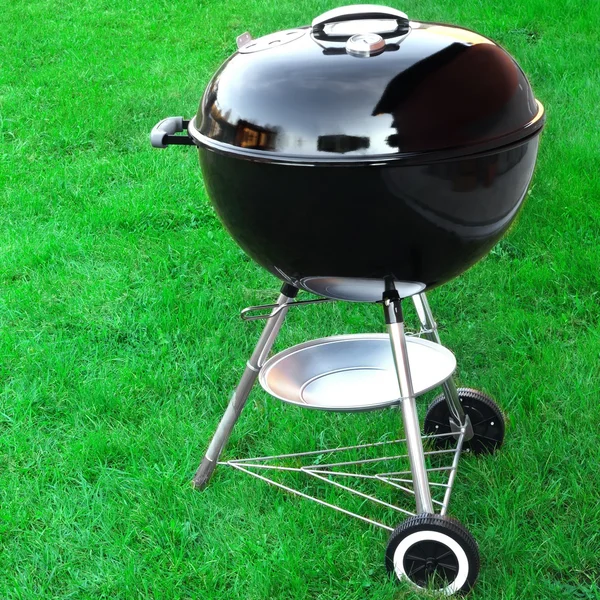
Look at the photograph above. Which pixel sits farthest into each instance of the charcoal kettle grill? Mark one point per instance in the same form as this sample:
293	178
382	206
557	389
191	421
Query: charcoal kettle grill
368	158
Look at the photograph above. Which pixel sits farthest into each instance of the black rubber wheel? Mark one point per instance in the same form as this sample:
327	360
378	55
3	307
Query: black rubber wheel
433	552
485	415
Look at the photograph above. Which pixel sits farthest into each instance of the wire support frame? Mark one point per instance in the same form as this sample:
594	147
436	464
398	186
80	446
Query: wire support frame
258	468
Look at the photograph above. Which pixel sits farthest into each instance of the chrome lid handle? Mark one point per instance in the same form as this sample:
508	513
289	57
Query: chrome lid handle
357	12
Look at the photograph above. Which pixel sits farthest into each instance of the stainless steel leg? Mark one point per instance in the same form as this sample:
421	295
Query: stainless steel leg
424	313
240	395
431	333
416	456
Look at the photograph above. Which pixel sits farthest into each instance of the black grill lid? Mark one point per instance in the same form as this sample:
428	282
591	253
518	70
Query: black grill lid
366	84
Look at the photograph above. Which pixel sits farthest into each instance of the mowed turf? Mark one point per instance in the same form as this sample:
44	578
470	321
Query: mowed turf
120	339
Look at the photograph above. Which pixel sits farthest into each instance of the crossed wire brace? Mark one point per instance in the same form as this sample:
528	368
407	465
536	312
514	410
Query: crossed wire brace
325	471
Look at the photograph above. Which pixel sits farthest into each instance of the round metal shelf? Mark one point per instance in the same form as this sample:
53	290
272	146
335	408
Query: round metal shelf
352	372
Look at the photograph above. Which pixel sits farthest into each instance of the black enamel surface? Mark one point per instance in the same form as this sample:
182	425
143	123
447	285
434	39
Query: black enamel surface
423	223
329	168
436	87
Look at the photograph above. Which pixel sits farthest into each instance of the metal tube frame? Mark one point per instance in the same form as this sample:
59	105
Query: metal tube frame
242	391
395	326
417	484
429	330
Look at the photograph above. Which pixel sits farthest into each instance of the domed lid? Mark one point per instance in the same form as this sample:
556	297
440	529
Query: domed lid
365	84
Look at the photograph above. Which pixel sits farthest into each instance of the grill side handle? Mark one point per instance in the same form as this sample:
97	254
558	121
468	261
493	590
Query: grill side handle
163	133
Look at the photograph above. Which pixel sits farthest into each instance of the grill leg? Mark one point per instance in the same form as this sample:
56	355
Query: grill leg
240	395
427	322
395	325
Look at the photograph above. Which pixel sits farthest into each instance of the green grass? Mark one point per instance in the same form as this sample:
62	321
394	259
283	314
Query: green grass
120	341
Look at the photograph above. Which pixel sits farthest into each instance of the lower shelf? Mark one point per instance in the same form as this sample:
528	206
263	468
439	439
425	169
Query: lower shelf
352	372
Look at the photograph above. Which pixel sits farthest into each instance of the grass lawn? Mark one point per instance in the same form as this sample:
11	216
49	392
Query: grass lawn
120	340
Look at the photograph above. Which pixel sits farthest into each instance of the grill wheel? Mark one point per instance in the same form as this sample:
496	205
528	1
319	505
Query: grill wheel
433	552
486	418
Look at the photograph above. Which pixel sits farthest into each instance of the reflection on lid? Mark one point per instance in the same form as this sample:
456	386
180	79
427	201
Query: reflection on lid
457	33
248	135
401	87
341	143
242	133
434	88
479	81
